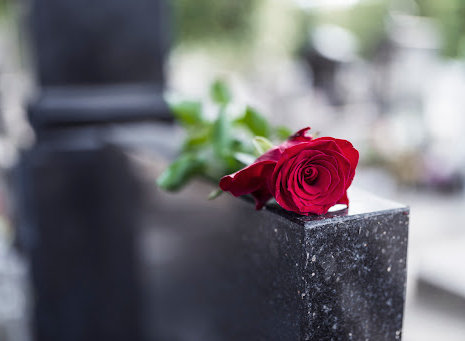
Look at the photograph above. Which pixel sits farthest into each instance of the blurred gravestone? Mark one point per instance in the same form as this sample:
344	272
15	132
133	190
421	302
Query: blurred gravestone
98	61
99	65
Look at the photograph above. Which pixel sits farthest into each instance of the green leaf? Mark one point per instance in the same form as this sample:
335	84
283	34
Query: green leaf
198	137
255	122
220	92
221	138
180	172
188	113
215	194
262	144
282	132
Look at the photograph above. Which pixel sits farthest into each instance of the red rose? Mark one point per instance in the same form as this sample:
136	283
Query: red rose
303	174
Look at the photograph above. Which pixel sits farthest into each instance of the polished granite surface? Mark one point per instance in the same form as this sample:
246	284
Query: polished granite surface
219	270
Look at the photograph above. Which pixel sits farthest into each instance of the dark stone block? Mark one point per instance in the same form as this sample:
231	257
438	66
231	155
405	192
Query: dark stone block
58	107
222	271
82	42
82	210
98	62
354	275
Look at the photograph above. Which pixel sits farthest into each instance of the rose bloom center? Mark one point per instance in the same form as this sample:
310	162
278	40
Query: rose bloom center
310	174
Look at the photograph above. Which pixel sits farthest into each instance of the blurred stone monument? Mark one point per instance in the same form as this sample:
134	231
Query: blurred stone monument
98	62
99	70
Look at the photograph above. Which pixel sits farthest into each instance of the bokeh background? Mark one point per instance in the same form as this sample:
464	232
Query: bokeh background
388	75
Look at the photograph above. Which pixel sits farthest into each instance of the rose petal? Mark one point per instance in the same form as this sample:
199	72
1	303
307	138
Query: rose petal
250	180
280	199
261	197
272	155
344	200
348	151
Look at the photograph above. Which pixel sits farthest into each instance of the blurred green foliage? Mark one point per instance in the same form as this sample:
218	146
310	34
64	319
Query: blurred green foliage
219	145
5	7
255	122
450	15
213	23
213	20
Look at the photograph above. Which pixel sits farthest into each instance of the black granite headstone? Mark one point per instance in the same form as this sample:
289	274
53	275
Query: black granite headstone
99	64
222	271
83	209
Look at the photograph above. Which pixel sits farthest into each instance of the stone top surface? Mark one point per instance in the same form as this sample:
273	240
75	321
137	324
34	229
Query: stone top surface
361	203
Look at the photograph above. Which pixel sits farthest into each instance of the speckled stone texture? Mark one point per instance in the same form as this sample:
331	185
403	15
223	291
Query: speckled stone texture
219	270
354	275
